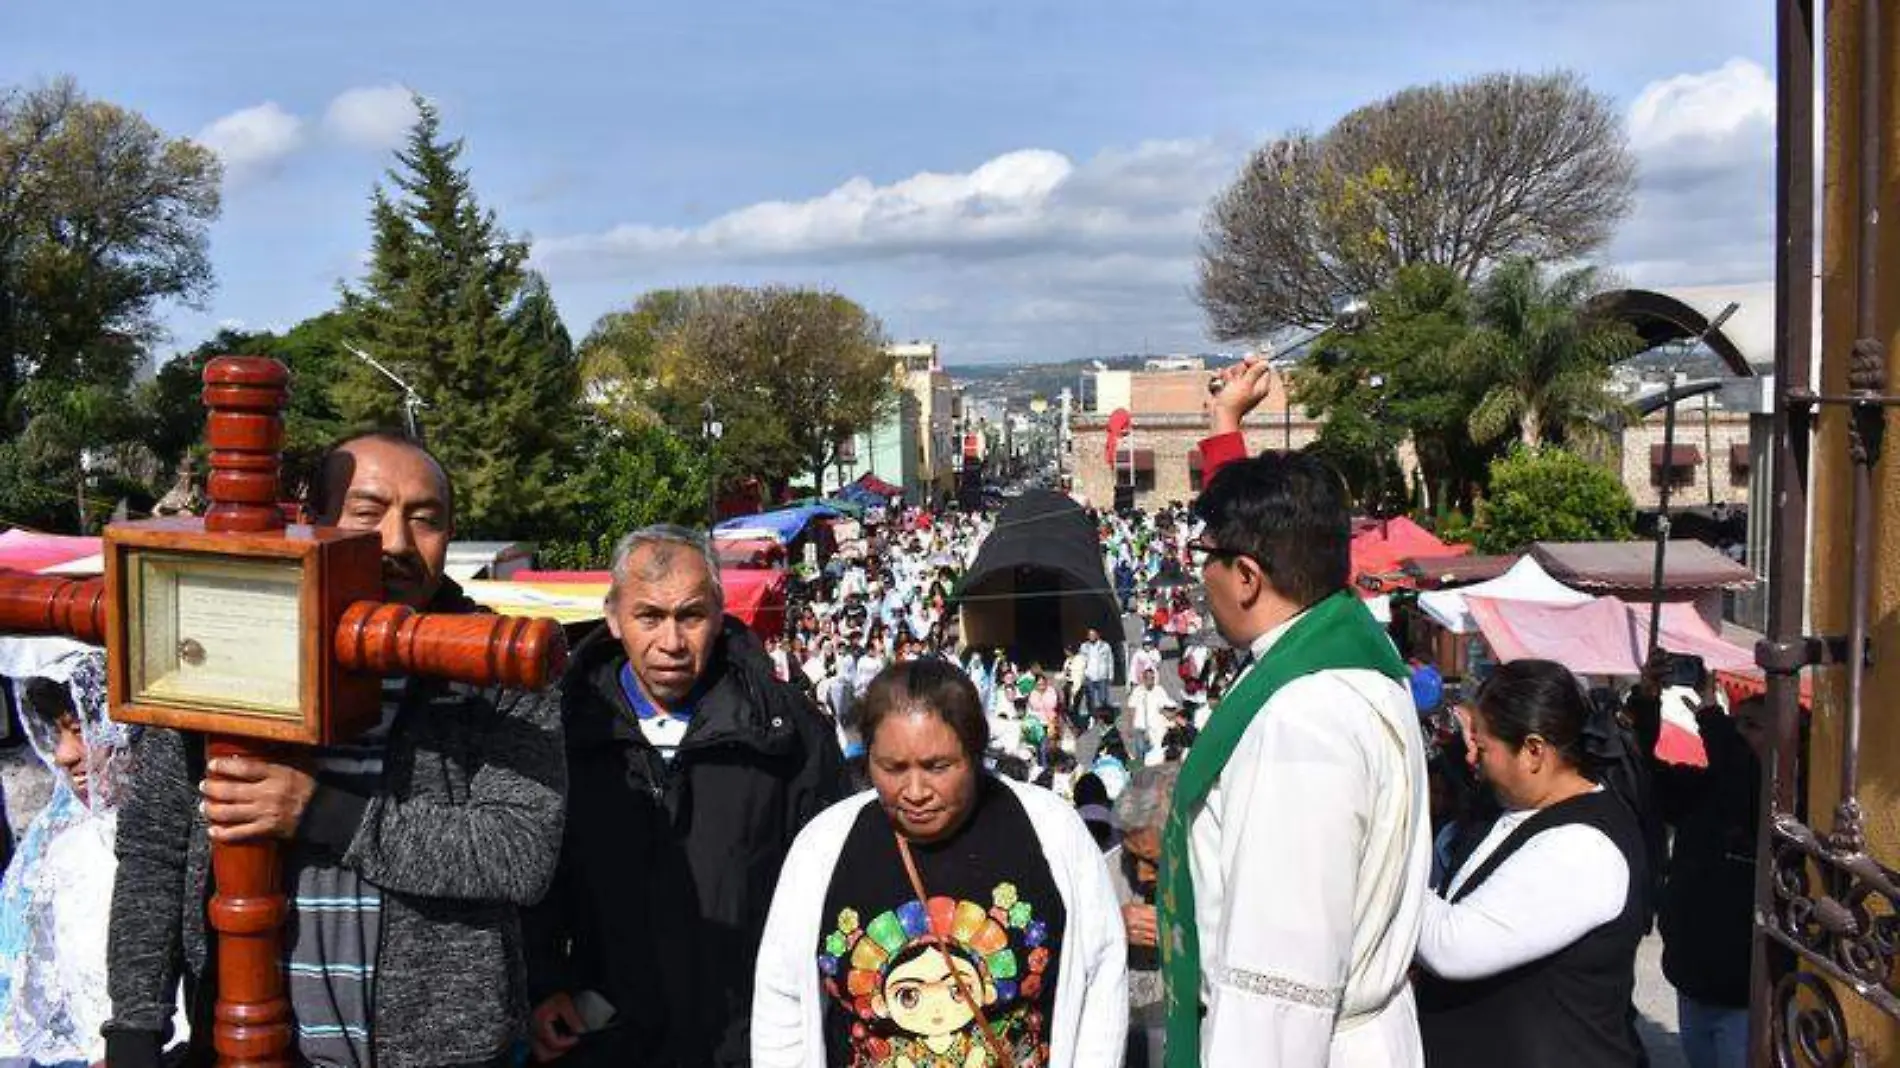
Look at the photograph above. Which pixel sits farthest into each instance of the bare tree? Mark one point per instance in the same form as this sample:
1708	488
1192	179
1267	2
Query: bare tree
1462	176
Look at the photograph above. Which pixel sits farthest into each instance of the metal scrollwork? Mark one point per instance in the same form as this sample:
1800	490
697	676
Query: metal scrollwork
1809	1028
1838	911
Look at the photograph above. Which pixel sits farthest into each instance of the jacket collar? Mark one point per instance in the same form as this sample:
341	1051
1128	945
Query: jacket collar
741	704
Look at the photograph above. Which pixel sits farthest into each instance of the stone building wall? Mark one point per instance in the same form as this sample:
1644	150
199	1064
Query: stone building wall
1715	466
1169	439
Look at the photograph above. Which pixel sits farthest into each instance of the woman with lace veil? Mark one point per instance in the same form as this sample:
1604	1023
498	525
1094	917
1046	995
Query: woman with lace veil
58	889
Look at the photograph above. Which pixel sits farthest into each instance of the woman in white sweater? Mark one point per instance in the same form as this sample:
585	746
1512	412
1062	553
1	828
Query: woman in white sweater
1529	953
946	919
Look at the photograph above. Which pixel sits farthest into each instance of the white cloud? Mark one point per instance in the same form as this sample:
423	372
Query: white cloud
1705	204
253	142
1713	109
374	117
1021	203
1037	255
1029	255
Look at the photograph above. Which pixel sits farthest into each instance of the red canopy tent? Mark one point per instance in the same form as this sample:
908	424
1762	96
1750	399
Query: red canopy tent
879	486
1381	547
24	550
755	597
749	553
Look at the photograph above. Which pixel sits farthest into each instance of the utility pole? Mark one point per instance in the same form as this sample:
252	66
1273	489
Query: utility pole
711	430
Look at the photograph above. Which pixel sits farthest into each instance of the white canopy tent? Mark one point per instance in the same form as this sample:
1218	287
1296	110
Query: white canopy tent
1525	581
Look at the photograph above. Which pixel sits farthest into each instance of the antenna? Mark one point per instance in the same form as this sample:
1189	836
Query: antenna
411	400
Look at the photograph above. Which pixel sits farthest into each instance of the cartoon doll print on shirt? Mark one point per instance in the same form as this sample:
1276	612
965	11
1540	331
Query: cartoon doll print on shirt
898	978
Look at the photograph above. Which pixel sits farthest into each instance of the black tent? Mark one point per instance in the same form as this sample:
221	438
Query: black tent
1038	584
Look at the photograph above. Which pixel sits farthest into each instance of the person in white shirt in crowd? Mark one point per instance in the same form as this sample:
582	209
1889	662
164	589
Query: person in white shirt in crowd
946	917
1298	848
1148	707
1074	681
1530	952
781	660
1098	673
1145	659
869	664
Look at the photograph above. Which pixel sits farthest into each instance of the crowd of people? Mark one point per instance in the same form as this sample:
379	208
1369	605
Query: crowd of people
864	844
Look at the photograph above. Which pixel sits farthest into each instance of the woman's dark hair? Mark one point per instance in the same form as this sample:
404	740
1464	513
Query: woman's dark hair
48	700
1090	790
1541	697
932	684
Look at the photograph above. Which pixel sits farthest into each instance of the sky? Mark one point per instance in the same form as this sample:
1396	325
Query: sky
1019	181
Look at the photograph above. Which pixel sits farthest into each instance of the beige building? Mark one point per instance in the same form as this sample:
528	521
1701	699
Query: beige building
920	365
1711	462
1159	459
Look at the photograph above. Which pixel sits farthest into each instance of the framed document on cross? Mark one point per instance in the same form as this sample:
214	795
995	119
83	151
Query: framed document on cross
264	637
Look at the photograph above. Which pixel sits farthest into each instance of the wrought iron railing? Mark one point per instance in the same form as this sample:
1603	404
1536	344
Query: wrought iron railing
1827	911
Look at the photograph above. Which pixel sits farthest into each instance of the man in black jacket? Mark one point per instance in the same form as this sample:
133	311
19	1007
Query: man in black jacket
691	769
1709	894
408	851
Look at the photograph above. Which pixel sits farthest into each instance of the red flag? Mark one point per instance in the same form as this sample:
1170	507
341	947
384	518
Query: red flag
1119	423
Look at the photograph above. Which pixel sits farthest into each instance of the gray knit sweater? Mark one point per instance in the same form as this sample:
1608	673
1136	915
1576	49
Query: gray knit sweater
465	829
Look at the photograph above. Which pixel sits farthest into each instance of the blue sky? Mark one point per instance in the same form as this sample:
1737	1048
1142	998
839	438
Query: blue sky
1020	180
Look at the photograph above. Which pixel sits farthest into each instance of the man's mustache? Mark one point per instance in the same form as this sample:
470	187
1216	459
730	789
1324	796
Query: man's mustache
406	568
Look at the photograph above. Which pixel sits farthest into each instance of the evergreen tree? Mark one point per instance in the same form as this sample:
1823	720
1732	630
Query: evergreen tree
450	308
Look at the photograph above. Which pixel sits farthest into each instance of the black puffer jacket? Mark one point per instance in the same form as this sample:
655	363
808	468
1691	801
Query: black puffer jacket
667	870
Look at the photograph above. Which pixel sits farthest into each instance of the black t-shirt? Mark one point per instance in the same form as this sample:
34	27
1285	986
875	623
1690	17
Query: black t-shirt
889	997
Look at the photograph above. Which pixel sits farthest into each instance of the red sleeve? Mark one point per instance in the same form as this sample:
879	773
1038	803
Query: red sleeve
1219	451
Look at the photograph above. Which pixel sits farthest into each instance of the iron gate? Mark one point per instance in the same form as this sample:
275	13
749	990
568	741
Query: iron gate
1827	915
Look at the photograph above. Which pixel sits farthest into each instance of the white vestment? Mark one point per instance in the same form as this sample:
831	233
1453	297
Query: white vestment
1311	858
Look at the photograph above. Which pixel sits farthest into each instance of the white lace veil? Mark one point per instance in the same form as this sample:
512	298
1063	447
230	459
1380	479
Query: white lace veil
57	892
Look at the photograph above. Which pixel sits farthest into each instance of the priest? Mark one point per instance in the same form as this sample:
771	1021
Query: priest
1297	851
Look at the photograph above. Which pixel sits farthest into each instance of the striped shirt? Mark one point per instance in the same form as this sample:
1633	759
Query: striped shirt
335	925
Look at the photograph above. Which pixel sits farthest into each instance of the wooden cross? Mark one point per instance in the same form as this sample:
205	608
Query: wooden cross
261	636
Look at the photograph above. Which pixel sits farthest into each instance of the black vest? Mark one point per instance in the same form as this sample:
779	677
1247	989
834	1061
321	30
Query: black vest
1571	1009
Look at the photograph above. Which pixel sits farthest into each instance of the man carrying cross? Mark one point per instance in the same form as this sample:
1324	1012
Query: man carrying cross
409	849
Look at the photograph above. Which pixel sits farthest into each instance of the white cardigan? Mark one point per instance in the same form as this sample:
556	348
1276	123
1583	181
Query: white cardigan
1090	1025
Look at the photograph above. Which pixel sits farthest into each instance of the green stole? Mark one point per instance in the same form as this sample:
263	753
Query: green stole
1336	634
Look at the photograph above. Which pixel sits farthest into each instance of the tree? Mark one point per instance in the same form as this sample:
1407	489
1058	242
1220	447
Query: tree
790	373
633	478
1461	175
1549	494
172	407
1543	356
449	307
1401	376
102	217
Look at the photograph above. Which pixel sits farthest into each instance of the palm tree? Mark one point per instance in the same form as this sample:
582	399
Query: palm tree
1542	356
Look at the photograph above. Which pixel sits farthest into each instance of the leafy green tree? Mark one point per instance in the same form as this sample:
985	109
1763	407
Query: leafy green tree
449	307
80	442
102	218
789	373
1401	377
1543	356
1549	494
633	478
172	406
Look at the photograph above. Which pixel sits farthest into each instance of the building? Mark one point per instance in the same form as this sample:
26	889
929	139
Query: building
889	450
1158	460
921	365
916	446
1710	463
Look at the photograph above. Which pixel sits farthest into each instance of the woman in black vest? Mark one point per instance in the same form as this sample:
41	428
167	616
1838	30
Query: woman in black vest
1529	951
